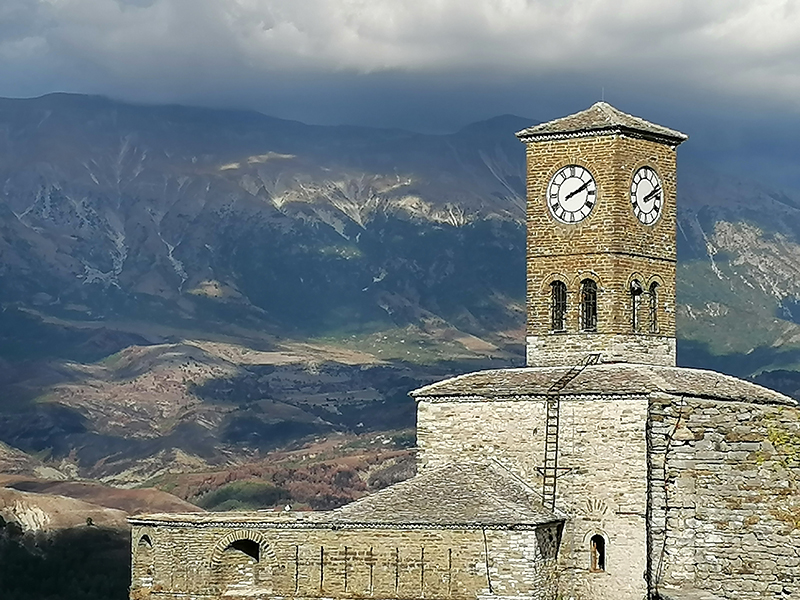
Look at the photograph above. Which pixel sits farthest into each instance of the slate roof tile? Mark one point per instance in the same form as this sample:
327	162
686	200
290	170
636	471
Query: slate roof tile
455	495
613	378
600	118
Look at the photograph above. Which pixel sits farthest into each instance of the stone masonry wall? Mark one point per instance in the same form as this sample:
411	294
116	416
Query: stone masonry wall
603	485
572	349
610	246
725	489
201	563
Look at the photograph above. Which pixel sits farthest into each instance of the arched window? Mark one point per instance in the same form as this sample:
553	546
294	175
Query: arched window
588	305
144	564
597	547
654	307
558	305
636	304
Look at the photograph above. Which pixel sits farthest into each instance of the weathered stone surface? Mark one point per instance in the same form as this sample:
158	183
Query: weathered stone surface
736	529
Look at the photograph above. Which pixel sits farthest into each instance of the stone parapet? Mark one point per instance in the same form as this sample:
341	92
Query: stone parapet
260	562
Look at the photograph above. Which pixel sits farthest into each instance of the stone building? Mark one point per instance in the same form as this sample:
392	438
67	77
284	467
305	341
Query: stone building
599	472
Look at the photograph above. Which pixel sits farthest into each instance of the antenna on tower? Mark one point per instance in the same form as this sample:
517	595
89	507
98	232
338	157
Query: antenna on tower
602	94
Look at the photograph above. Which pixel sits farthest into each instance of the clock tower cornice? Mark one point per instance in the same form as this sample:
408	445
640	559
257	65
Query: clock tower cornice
602	119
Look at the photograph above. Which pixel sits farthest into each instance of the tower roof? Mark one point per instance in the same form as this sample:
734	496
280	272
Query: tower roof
601	119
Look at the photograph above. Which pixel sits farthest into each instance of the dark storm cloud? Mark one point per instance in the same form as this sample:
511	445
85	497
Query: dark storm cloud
726	71
171	49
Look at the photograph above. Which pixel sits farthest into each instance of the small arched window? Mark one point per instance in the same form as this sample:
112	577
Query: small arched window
597	547
588	305
636	304
558	305
654	307
144	564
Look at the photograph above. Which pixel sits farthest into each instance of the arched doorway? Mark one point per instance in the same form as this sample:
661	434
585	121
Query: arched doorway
241	560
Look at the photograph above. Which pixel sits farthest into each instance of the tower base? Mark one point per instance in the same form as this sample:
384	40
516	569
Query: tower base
568	349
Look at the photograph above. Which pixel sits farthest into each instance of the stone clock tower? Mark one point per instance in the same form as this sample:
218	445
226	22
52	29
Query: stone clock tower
601	239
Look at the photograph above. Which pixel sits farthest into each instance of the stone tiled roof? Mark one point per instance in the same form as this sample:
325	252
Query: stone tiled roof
601	118
469	495
456	495
615	378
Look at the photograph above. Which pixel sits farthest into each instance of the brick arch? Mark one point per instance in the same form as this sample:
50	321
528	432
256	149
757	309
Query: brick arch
575	282
262	570
264	549
544	287
655	279
637	275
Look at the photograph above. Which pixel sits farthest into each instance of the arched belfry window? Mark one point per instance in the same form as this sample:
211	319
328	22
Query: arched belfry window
597	548
636	304
558	305
653	307
588	305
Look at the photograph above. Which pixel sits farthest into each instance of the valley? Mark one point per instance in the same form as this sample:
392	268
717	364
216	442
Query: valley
232	308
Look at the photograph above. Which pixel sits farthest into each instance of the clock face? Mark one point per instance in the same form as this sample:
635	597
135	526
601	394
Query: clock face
647	195
571	194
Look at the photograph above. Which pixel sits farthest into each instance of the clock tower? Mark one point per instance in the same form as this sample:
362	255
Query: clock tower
601	251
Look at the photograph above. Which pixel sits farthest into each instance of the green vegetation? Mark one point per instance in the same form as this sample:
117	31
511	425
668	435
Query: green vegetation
243	495
410	344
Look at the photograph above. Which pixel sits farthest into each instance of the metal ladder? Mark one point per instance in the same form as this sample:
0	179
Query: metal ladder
553	410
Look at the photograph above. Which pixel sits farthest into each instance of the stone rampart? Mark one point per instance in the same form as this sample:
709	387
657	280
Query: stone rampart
725	498
184	560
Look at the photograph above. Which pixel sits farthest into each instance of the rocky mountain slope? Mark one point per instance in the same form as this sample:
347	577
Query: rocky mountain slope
189	290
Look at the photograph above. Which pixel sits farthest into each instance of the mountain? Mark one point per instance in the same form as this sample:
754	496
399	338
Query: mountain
175	213
187	290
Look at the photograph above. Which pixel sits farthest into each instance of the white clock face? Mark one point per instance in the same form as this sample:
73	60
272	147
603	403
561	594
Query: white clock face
647	195
571	194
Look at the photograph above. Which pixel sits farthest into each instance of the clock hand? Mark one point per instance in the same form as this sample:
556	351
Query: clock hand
579	190
655	192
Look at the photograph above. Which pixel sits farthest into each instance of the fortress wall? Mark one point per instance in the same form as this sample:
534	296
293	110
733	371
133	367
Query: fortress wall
603	487
199	563
731	500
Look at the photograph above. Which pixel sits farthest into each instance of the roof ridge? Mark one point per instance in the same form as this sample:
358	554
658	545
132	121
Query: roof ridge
607	109
601	118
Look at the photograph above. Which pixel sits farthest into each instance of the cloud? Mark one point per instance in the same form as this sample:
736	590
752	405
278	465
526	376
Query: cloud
186	48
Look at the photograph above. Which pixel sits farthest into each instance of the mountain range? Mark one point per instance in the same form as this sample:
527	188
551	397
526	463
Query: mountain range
187	290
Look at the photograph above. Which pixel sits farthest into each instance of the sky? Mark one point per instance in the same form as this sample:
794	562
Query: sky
727	71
